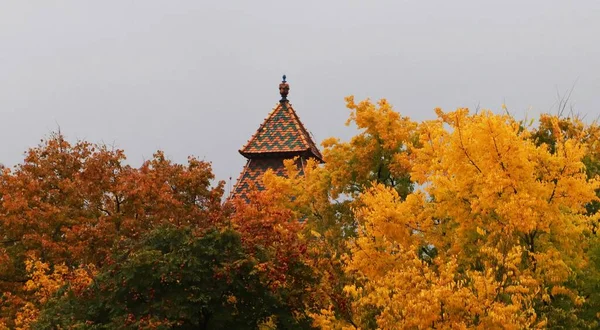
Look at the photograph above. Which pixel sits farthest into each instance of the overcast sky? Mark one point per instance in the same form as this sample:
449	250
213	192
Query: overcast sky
198	77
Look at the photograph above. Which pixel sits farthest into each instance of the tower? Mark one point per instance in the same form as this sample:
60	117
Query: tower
281	136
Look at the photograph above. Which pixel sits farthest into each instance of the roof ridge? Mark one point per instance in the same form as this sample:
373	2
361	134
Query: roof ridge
239	179
310	143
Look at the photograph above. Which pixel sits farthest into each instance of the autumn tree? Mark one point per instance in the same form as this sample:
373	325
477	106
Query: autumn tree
173	278
378	154
272	235
506	220
551	131
73	204
75	207
465	221
500	232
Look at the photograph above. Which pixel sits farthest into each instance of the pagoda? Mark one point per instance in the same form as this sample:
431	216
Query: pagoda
281	136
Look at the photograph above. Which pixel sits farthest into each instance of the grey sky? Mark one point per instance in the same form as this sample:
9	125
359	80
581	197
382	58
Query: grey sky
198	77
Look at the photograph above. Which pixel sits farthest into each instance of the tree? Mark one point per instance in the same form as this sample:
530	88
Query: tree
469	220
380	153
272	235
173	279
74	204
551	131
495	234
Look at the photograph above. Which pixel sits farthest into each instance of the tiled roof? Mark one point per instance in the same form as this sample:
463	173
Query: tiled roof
282	132
251	176
281	136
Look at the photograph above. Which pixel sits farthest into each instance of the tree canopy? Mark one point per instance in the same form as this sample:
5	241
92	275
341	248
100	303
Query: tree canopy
469	220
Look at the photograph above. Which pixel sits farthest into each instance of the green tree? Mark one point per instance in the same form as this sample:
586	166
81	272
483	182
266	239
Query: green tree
173	279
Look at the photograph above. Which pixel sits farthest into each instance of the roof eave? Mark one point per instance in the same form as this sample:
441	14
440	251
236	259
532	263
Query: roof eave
283	154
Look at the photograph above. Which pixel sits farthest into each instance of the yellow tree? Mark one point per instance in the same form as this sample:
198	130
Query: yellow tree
551	130
43	283
495	232
379	153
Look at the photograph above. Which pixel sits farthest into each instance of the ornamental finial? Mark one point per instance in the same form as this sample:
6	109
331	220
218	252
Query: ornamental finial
284	89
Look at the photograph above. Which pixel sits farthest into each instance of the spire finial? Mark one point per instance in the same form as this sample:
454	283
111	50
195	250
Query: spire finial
284	89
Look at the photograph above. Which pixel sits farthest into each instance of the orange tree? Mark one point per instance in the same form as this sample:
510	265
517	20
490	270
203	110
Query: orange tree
272	235
73	204
90	241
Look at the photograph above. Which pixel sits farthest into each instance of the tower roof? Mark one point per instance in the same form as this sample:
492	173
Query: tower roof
282	133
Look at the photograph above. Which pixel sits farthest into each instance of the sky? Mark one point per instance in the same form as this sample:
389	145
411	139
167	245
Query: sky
198	77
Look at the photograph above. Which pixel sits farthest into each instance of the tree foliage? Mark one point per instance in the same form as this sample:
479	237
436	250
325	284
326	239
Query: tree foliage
492	224
469	220
89	241
172	279
73	204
